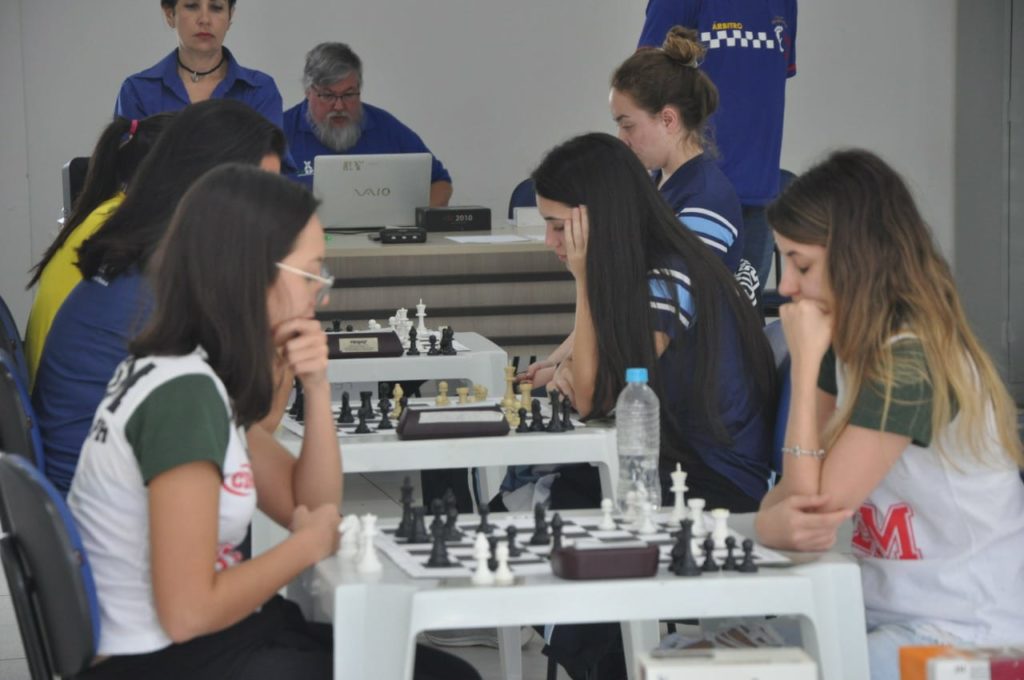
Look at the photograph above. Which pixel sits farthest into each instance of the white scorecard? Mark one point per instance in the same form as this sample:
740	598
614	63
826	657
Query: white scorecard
371	191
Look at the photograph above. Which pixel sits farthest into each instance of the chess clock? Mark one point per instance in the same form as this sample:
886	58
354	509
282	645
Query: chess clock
454	218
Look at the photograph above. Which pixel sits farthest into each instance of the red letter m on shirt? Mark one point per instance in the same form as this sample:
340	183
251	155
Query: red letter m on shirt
891	539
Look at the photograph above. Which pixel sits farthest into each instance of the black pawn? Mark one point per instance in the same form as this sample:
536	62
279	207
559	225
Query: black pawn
524	424
556	532
537	419
451	529
364	413
432	351
349	328
385	423
730	559
448	342
747	566
336	325
540	527
298	409
439	551
437	509
414	350
419	527
555	424
345	416
404	529
484	527
492	561
683	563
709	558
566	417
364	402
513	549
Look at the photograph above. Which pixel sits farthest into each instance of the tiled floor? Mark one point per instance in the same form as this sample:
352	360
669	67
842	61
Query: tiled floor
377	493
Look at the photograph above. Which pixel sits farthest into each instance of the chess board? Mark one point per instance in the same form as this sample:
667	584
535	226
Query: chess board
578	530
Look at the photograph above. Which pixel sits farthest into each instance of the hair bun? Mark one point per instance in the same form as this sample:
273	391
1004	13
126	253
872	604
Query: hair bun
681	44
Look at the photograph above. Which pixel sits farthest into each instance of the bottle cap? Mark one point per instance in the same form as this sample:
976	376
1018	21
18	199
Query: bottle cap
636	375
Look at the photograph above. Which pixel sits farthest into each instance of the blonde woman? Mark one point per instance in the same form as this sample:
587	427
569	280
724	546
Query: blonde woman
898	418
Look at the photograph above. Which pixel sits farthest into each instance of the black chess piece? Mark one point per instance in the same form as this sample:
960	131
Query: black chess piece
492	561
448	342
540	526
345	416
566	417
451	529
437	509
404	529
385	423
556	532
747	566
537	418
730	560
432	351
683	563
364	414
439	551
524	424
555	424
709	558
298	407
414	349
513	549
364	402
419	527
484	527
336	325
349	328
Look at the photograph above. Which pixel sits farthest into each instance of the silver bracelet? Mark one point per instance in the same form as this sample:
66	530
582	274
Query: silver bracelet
797	450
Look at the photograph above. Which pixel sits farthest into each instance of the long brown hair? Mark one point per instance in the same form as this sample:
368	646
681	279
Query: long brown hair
887	278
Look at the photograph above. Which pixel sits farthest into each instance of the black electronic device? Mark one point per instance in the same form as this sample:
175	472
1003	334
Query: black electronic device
454	218
402	235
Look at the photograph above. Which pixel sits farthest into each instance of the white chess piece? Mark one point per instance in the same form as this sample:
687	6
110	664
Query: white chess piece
630	515
373	325
421	314
481	551
721	528
502	575
368	560
647	525
679	488
391	323
349	529
696	506
607	523
642	500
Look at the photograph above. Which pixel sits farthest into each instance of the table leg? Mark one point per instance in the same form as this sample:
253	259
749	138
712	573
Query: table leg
510	651
835	633
638	637
373	642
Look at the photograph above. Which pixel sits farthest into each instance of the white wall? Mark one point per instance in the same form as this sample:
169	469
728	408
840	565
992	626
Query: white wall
488	84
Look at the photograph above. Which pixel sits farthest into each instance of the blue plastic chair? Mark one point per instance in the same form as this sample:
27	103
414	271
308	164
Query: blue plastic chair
48	573
19	430
10	340
523	196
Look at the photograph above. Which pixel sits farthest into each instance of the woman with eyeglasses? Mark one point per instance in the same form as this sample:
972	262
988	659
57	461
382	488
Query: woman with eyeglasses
200	68
90	333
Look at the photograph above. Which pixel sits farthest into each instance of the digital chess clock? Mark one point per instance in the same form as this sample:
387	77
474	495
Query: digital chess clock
454	218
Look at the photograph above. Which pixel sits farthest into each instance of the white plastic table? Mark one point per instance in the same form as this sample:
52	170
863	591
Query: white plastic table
376	618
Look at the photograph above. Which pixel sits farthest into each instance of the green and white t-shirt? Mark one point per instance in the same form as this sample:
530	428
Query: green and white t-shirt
939	543
158	413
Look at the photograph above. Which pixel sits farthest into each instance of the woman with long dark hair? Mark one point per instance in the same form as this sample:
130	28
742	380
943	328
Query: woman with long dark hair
898	418
120	149
90	333
650	294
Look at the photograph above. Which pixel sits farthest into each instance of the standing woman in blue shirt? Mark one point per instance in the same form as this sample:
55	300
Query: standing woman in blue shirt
200	68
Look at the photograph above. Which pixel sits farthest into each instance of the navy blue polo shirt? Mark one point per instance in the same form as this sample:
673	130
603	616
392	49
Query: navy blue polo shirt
751	51
705	202
382	133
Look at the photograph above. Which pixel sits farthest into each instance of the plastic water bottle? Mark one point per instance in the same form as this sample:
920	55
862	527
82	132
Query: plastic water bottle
638	436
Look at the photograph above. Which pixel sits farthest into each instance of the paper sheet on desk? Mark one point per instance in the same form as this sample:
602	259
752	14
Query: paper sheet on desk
495	238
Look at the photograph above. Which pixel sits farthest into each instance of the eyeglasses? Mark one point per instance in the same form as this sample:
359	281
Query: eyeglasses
327	97
324	281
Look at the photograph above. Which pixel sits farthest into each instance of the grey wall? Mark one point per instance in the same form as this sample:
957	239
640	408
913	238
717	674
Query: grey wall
489	85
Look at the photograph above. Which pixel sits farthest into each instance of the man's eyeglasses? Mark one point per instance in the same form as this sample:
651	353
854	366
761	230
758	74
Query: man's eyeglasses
324	281
327	97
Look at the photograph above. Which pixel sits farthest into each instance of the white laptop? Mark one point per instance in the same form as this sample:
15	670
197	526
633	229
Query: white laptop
371	191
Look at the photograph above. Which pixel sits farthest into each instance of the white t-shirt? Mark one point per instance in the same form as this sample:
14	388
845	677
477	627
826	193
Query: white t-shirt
158	413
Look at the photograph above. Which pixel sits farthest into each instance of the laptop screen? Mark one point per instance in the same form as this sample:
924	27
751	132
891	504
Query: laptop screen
371	191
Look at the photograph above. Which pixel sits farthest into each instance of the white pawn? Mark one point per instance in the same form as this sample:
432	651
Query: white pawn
696	506
502	575
607	523
646	523
368	561
373	325
481	551
349	529
721	528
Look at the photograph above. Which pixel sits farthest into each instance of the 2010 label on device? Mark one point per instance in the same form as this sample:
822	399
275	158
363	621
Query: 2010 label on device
358	344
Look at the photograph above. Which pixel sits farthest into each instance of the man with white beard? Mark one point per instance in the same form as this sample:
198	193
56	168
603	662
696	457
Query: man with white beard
334	120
